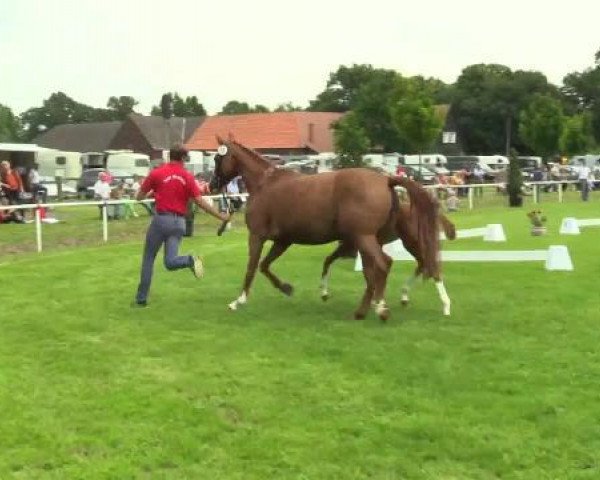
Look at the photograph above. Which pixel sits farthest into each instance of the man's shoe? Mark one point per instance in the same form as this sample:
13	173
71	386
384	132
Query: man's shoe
197	267
136	304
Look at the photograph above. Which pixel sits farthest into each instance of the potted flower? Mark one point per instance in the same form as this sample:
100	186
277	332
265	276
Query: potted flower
537	222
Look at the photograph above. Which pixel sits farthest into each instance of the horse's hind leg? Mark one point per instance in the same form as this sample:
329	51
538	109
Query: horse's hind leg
381	264
404	298
277	249
255	245
439	284
342	251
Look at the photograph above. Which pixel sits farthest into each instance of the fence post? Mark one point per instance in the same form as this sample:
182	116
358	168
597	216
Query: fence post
38	229
560	193
470	195
535	193
104	222
59	189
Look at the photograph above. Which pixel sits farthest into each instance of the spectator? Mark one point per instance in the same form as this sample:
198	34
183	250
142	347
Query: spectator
9	216
134	189
477	177
584	174
452	201
11	183
102	191
39	191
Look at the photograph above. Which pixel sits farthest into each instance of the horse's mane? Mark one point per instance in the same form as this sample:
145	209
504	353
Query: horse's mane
252	152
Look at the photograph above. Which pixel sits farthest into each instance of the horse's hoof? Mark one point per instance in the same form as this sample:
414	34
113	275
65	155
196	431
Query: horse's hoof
232	306
359	316
287	289
404	302
384	315
325	297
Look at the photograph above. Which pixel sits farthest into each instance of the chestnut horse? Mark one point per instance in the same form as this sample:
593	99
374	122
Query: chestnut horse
406	229
353	205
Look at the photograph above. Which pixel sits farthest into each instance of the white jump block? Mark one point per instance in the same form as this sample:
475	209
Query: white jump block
559	259
556	258
490	233
569	226
494	233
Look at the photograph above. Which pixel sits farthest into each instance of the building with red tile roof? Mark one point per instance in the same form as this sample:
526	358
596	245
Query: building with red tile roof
279	133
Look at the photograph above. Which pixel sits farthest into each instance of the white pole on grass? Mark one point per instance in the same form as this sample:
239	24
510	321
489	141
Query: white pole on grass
104	222
560	193
535	193
471	198
38	229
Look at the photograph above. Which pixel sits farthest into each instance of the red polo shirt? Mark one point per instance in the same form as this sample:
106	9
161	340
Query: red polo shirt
173	186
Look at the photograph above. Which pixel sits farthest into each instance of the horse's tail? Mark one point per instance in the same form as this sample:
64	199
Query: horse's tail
447	226
425	209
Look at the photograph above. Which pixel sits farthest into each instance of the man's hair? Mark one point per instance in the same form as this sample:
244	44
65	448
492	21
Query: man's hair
178	152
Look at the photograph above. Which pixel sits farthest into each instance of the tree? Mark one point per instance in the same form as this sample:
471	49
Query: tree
582	90
166	106
59	109
372	107
342	88
121	106
515	181
576	136
541	124
350	141
10	129
234	107
415	117
487	99
188	107
287	107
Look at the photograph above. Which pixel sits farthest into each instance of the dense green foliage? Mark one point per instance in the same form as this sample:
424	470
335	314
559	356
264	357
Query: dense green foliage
541	125
351	141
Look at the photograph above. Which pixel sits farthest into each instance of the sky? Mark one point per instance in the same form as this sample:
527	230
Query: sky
272	51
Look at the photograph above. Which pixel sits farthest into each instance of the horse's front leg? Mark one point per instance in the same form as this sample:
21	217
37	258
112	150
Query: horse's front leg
277	249
255	245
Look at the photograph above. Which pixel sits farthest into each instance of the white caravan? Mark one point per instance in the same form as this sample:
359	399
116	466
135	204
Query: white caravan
128	161
56	163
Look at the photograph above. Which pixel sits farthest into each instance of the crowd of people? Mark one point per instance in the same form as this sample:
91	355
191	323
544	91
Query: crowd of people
17	186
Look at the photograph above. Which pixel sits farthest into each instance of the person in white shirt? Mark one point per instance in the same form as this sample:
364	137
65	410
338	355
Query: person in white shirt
39	191
583	174
102	192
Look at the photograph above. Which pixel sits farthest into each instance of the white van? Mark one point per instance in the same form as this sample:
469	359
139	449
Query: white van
56	163
493	163
128	161
436	162
591	161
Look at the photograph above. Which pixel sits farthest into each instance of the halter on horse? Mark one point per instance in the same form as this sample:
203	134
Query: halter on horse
354	205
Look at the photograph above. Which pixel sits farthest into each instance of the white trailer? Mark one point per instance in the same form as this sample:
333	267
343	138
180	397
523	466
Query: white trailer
57	163
128	162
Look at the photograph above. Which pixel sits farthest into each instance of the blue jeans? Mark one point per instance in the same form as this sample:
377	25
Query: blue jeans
164	229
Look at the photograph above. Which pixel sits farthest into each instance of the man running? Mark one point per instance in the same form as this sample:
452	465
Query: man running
172	186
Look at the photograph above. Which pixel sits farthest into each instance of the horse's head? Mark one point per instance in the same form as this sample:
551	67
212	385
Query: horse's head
226	166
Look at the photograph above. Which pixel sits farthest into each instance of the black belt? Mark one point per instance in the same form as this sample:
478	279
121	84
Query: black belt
171	214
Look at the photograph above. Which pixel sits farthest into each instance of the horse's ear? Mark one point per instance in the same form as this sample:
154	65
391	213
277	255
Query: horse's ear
220	141
231	137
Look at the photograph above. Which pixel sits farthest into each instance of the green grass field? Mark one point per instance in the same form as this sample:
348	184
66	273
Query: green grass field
292	388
